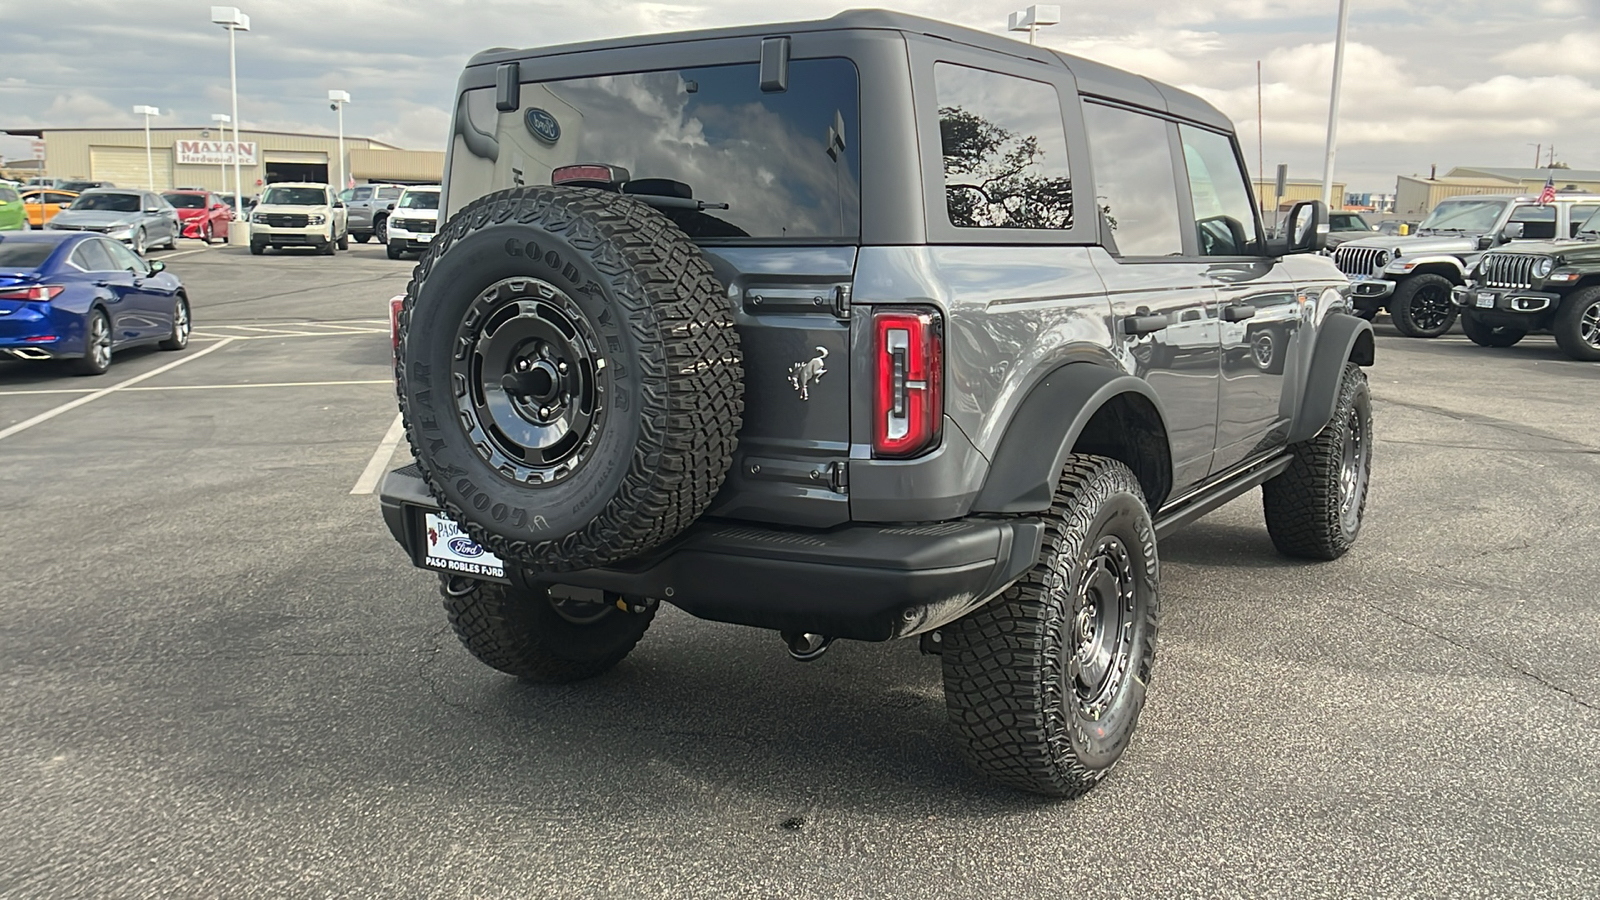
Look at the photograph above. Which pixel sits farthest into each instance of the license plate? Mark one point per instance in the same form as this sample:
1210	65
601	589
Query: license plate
447	549
1485	301
424	238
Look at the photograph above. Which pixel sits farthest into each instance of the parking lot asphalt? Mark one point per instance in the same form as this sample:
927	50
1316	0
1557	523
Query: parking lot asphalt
223	678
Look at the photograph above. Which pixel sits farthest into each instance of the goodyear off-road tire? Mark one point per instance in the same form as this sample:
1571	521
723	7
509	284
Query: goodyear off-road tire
570	376
1421	306
522	633
1315	507
1044	685
1486	335
1577	325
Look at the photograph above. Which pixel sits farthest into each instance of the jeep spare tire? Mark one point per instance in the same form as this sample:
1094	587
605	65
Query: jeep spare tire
570	376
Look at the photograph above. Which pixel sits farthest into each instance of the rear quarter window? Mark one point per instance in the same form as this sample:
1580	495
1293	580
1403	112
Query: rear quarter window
1004	148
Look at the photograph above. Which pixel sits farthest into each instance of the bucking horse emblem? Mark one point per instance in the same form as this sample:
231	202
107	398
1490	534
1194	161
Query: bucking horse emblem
802	374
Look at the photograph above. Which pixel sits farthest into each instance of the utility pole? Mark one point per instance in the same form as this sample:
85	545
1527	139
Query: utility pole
1333	102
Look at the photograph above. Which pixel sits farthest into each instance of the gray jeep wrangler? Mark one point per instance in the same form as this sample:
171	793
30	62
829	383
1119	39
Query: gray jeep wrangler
805	327
1413	276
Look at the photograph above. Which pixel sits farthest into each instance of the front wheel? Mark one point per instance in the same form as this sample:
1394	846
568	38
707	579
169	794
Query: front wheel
1314	508
1044	685
534	636
1577	325
380	230
393	251
1485	335
139	242
344	241
257	248
205	234
1421	306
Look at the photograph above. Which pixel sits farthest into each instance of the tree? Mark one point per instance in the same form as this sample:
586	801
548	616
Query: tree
993	176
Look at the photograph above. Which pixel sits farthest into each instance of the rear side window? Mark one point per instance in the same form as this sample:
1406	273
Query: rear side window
786	163
1579	214
1538	222
1224	212
1004	148
1134	183
91	256
363	193
389	193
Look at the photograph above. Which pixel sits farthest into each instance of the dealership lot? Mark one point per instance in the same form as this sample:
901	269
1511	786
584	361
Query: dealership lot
222	677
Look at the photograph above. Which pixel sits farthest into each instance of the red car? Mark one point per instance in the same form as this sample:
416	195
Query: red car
202	214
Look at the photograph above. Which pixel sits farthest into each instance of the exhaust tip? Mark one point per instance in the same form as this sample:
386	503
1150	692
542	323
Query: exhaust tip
805	647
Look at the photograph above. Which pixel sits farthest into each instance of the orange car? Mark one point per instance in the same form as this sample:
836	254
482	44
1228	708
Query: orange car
43	204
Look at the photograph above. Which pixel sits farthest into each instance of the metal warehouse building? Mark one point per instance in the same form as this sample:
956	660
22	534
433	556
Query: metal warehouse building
197	157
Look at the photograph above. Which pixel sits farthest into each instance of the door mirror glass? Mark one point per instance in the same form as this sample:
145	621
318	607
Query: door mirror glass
1305	230
1513	231
157	266
152	209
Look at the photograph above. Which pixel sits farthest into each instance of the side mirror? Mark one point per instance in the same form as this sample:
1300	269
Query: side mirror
1512	231
1305	230
337	204
152	209
390	207
157	266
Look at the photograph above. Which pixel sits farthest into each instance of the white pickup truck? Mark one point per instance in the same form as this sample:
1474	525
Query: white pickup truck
299	215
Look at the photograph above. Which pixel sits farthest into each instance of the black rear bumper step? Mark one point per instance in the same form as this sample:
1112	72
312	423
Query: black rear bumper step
865	582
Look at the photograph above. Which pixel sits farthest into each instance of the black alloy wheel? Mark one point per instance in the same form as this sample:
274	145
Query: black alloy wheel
380	230
534	397
1422	308
1262	349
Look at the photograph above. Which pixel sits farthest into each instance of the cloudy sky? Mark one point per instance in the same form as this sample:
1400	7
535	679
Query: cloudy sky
1452	82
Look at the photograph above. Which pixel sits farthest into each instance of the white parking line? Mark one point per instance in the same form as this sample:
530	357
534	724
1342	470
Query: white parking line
380	457
49	414
205	387
181	253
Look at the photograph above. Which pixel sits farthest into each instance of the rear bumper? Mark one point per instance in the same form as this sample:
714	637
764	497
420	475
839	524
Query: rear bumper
865	582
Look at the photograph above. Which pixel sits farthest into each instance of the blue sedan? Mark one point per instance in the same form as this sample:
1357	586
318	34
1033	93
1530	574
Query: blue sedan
81	297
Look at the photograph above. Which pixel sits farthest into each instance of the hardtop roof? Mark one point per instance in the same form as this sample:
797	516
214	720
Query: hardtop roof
1094	78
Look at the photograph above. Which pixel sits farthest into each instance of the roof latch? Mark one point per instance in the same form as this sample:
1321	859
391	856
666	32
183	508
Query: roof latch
774	65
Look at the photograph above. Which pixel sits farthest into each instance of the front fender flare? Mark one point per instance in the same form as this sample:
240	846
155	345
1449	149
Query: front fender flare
1417	262
1027	464
1341	339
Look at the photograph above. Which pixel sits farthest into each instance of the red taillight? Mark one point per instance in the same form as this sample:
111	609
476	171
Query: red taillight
40	293
394	323
908	407
594	172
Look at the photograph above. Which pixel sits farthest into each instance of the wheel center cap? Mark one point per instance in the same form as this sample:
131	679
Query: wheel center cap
532	382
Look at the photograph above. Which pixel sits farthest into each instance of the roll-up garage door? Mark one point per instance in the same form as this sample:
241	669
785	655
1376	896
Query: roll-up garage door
125	166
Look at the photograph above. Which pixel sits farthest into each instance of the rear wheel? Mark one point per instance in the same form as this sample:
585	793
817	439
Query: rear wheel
1577	325
1421	306
534	636
1044	685
1485	335
96	357
179	338
1314	508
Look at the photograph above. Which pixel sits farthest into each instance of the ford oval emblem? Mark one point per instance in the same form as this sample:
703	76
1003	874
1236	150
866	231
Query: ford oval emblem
542	125
461	546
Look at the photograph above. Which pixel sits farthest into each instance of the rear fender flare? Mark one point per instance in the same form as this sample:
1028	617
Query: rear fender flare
1028	461
1341	339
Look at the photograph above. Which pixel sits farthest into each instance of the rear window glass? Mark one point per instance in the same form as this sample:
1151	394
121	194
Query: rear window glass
186	201
786	163
24	254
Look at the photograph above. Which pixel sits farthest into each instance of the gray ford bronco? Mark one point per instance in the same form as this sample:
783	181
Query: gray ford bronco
1413	276
842	329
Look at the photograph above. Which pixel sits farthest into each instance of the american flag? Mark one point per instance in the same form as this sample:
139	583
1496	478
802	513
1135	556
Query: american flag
1548	195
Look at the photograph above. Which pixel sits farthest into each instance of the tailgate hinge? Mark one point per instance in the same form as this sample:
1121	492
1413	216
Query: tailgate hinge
841	301
839	477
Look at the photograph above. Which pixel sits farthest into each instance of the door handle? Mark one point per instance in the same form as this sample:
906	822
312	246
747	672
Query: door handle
1238	313
1136	325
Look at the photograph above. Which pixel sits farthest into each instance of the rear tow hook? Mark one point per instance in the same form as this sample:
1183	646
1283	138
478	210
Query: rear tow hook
806	647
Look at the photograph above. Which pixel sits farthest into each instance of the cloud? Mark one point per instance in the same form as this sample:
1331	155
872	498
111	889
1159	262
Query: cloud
1463	83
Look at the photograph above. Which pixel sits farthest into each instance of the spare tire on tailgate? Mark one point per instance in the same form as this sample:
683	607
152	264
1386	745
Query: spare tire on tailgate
570	376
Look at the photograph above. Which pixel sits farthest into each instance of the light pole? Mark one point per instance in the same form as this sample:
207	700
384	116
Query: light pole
1333	104
149	159
337	100
231	18
1033	18
222	120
